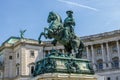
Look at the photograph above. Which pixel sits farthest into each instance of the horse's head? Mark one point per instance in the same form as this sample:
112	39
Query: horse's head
55	23
51	17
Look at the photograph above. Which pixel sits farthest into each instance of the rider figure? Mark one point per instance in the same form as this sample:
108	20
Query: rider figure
69	24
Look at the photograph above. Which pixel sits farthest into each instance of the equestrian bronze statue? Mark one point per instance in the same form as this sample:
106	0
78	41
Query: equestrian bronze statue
63	32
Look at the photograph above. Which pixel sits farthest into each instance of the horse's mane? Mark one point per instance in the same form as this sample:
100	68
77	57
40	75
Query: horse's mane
57	16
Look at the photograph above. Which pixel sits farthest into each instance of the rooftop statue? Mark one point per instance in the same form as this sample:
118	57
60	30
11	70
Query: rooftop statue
22	32
63	33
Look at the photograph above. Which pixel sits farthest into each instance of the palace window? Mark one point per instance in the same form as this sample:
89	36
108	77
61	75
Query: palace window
99	51
117	78
32	54
108	78
115	62
32	69
114	48
17	55
10	57
100	64
17	70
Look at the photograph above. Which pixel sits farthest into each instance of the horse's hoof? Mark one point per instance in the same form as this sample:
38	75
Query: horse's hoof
39	42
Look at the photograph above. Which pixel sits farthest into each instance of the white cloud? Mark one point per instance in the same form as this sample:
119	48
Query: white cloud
79	5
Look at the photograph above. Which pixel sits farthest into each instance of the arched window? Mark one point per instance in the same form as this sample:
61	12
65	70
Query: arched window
17	70
99	51
17	55
108	78
114	48
115	62
32	70
100	64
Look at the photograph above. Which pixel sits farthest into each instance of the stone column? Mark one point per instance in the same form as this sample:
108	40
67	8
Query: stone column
23	62
103	56
108	55
93	57
118	50
88	53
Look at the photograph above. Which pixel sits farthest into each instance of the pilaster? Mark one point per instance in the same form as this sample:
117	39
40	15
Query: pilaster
93	57
108	55
103	56
88	53
118	50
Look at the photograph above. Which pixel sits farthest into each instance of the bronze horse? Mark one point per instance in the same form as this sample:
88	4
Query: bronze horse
56	31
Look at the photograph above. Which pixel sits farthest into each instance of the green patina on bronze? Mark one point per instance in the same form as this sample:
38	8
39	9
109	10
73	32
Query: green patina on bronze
63	33
22	32
58	62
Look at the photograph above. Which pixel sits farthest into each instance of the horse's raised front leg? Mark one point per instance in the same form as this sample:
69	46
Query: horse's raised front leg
47	29
39	39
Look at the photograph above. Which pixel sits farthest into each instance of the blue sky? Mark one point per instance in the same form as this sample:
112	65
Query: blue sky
91	16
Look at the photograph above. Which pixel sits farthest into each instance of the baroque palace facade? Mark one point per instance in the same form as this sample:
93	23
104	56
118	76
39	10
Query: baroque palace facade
18	56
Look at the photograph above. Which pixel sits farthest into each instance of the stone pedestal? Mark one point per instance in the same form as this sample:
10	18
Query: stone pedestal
61	67
53	64
64	76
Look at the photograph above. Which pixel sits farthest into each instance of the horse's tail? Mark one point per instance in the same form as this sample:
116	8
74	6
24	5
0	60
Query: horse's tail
80	50
81	46
39	38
